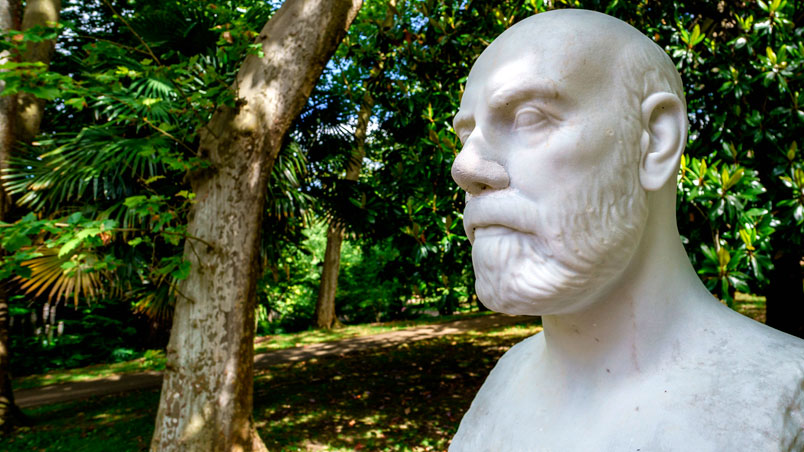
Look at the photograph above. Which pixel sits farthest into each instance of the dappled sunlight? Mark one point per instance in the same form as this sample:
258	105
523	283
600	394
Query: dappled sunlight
409	397
99	424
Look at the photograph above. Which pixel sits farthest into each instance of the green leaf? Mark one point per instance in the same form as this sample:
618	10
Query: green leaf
76	102
150	101
734	178
134	201
182	271
723	257
76	241
771	55
68	247
15	242
44	92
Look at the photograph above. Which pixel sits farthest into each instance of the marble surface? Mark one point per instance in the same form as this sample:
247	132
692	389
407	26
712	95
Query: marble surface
573	124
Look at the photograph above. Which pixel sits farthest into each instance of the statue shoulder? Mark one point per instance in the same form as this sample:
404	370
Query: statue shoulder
502	390
515	362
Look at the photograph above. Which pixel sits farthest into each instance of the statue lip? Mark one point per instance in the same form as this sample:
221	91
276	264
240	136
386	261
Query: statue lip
492	230
503	212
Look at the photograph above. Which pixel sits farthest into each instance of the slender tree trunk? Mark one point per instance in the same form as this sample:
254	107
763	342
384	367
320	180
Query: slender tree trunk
325	316
30	109
325	304
20	117
785	295
206	400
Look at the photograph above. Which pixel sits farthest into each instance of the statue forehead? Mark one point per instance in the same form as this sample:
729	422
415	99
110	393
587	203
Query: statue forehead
575	47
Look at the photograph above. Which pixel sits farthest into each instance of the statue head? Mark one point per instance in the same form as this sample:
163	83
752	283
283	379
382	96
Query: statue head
572	124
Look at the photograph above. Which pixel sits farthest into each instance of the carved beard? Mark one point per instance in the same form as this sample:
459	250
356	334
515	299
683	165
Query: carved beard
548	262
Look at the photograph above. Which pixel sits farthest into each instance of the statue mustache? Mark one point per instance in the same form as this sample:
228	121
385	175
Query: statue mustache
507	208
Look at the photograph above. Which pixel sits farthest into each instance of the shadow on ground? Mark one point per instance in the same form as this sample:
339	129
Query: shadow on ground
408	397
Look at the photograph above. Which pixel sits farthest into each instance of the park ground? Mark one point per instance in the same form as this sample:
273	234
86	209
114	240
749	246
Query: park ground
395	395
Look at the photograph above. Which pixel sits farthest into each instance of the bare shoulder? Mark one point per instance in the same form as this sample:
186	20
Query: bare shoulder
509	382
515	365
756	374
738	341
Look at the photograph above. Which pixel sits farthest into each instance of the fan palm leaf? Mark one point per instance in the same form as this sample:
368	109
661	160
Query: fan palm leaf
52	274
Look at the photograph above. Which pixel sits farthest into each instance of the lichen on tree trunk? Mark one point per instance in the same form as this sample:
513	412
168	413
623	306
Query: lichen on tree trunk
206	400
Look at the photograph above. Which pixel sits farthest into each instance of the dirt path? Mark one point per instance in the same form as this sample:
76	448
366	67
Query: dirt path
66	392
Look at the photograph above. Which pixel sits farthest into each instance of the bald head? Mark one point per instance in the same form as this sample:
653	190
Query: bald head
568	120
593	49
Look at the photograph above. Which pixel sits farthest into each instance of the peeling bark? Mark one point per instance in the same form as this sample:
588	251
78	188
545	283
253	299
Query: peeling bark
206	400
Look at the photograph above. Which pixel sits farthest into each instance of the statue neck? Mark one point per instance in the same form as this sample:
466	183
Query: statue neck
633	325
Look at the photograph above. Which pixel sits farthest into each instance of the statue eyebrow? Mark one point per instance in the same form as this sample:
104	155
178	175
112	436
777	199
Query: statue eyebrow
515	93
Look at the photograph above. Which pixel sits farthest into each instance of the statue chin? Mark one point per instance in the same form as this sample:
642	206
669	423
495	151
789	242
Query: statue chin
517	274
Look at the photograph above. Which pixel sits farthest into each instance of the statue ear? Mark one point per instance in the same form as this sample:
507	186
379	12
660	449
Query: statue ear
664	135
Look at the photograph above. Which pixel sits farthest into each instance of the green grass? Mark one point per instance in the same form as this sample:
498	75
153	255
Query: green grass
408	398
100	424
750	305
280	341
155	360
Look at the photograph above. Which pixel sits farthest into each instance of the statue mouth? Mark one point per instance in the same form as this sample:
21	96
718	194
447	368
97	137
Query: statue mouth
502	213
492	230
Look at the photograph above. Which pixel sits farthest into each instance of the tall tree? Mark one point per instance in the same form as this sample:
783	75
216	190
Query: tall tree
20	117
206	399
8	410
325	316
30	109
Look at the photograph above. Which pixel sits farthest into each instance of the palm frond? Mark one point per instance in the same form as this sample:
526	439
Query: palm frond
98	163
49	274
156	298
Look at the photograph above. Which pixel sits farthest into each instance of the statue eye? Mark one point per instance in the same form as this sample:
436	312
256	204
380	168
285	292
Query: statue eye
529	117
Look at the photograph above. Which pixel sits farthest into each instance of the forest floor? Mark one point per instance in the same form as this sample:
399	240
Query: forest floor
29	397
384	395
406	394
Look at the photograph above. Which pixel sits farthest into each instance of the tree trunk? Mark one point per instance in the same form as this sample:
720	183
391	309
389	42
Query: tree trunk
30	109
206	400
785	295
20	117
325	304
8	20
325	316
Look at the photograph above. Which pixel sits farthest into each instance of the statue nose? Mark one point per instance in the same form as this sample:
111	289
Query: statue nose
475	173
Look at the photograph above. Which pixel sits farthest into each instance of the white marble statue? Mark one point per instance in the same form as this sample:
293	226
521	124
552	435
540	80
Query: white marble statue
572	124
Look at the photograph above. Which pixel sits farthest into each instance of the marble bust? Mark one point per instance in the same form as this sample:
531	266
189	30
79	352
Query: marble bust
572	124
